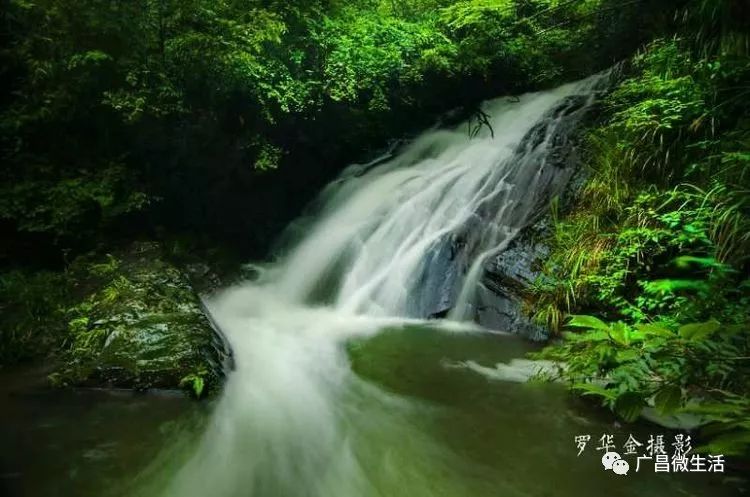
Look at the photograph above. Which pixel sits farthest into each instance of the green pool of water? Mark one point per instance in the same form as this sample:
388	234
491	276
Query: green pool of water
422	416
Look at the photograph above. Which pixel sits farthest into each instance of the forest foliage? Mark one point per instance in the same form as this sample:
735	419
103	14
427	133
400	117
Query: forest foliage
222	117
152	118
219	120
657	244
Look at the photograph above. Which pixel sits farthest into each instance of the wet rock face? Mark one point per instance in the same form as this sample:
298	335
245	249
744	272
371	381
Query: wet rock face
508	275
139	326
549	149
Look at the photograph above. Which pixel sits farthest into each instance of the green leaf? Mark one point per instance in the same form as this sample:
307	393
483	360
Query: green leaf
583	321
668	399
651	329
594	389
592	336
627	355
734	443
699	331
195	382
198	385
684	261
629	406
669	286
620	333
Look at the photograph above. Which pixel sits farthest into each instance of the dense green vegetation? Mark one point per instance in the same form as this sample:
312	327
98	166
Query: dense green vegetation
657	242
216	121
124	117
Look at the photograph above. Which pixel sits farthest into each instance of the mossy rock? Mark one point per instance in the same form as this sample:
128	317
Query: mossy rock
139	326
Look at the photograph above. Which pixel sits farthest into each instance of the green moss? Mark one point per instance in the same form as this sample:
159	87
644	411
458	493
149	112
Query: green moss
140	327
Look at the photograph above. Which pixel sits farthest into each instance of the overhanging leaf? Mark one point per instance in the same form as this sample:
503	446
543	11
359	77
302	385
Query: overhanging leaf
651	329
668	399
583	321
620	333
699	331
629	405
594	389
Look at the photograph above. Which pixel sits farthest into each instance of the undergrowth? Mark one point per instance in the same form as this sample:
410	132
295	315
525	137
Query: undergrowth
656	244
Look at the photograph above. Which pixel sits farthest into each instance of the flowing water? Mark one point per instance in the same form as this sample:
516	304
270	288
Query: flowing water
342	388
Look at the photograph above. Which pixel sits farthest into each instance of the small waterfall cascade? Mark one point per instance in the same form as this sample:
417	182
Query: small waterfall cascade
410	236
391	243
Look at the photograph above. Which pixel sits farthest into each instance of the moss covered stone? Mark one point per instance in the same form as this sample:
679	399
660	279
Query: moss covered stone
140	325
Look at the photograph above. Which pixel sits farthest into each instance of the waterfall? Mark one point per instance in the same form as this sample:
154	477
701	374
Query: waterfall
410	236
389	243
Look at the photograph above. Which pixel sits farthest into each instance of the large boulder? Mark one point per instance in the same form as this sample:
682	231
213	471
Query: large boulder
140	325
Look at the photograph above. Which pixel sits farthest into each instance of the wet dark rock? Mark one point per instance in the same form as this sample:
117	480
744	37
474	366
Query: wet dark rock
140	325
504	288
440	282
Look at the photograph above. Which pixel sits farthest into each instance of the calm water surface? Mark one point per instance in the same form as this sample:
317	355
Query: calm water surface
434	423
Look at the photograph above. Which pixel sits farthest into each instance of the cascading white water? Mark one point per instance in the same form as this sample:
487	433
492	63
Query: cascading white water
293	420
374	243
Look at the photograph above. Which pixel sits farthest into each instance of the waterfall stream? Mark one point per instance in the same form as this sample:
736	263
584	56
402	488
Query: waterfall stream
389	245
399	238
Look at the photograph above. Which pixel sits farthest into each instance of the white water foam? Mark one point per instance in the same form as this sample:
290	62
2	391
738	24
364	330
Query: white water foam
293	420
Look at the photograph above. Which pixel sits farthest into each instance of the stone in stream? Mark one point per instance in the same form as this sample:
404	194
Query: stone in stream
140	326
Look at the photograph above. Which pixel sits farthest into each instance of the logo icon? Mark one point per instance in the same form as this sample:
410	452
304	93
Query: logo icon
620	467
609	458
613	461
